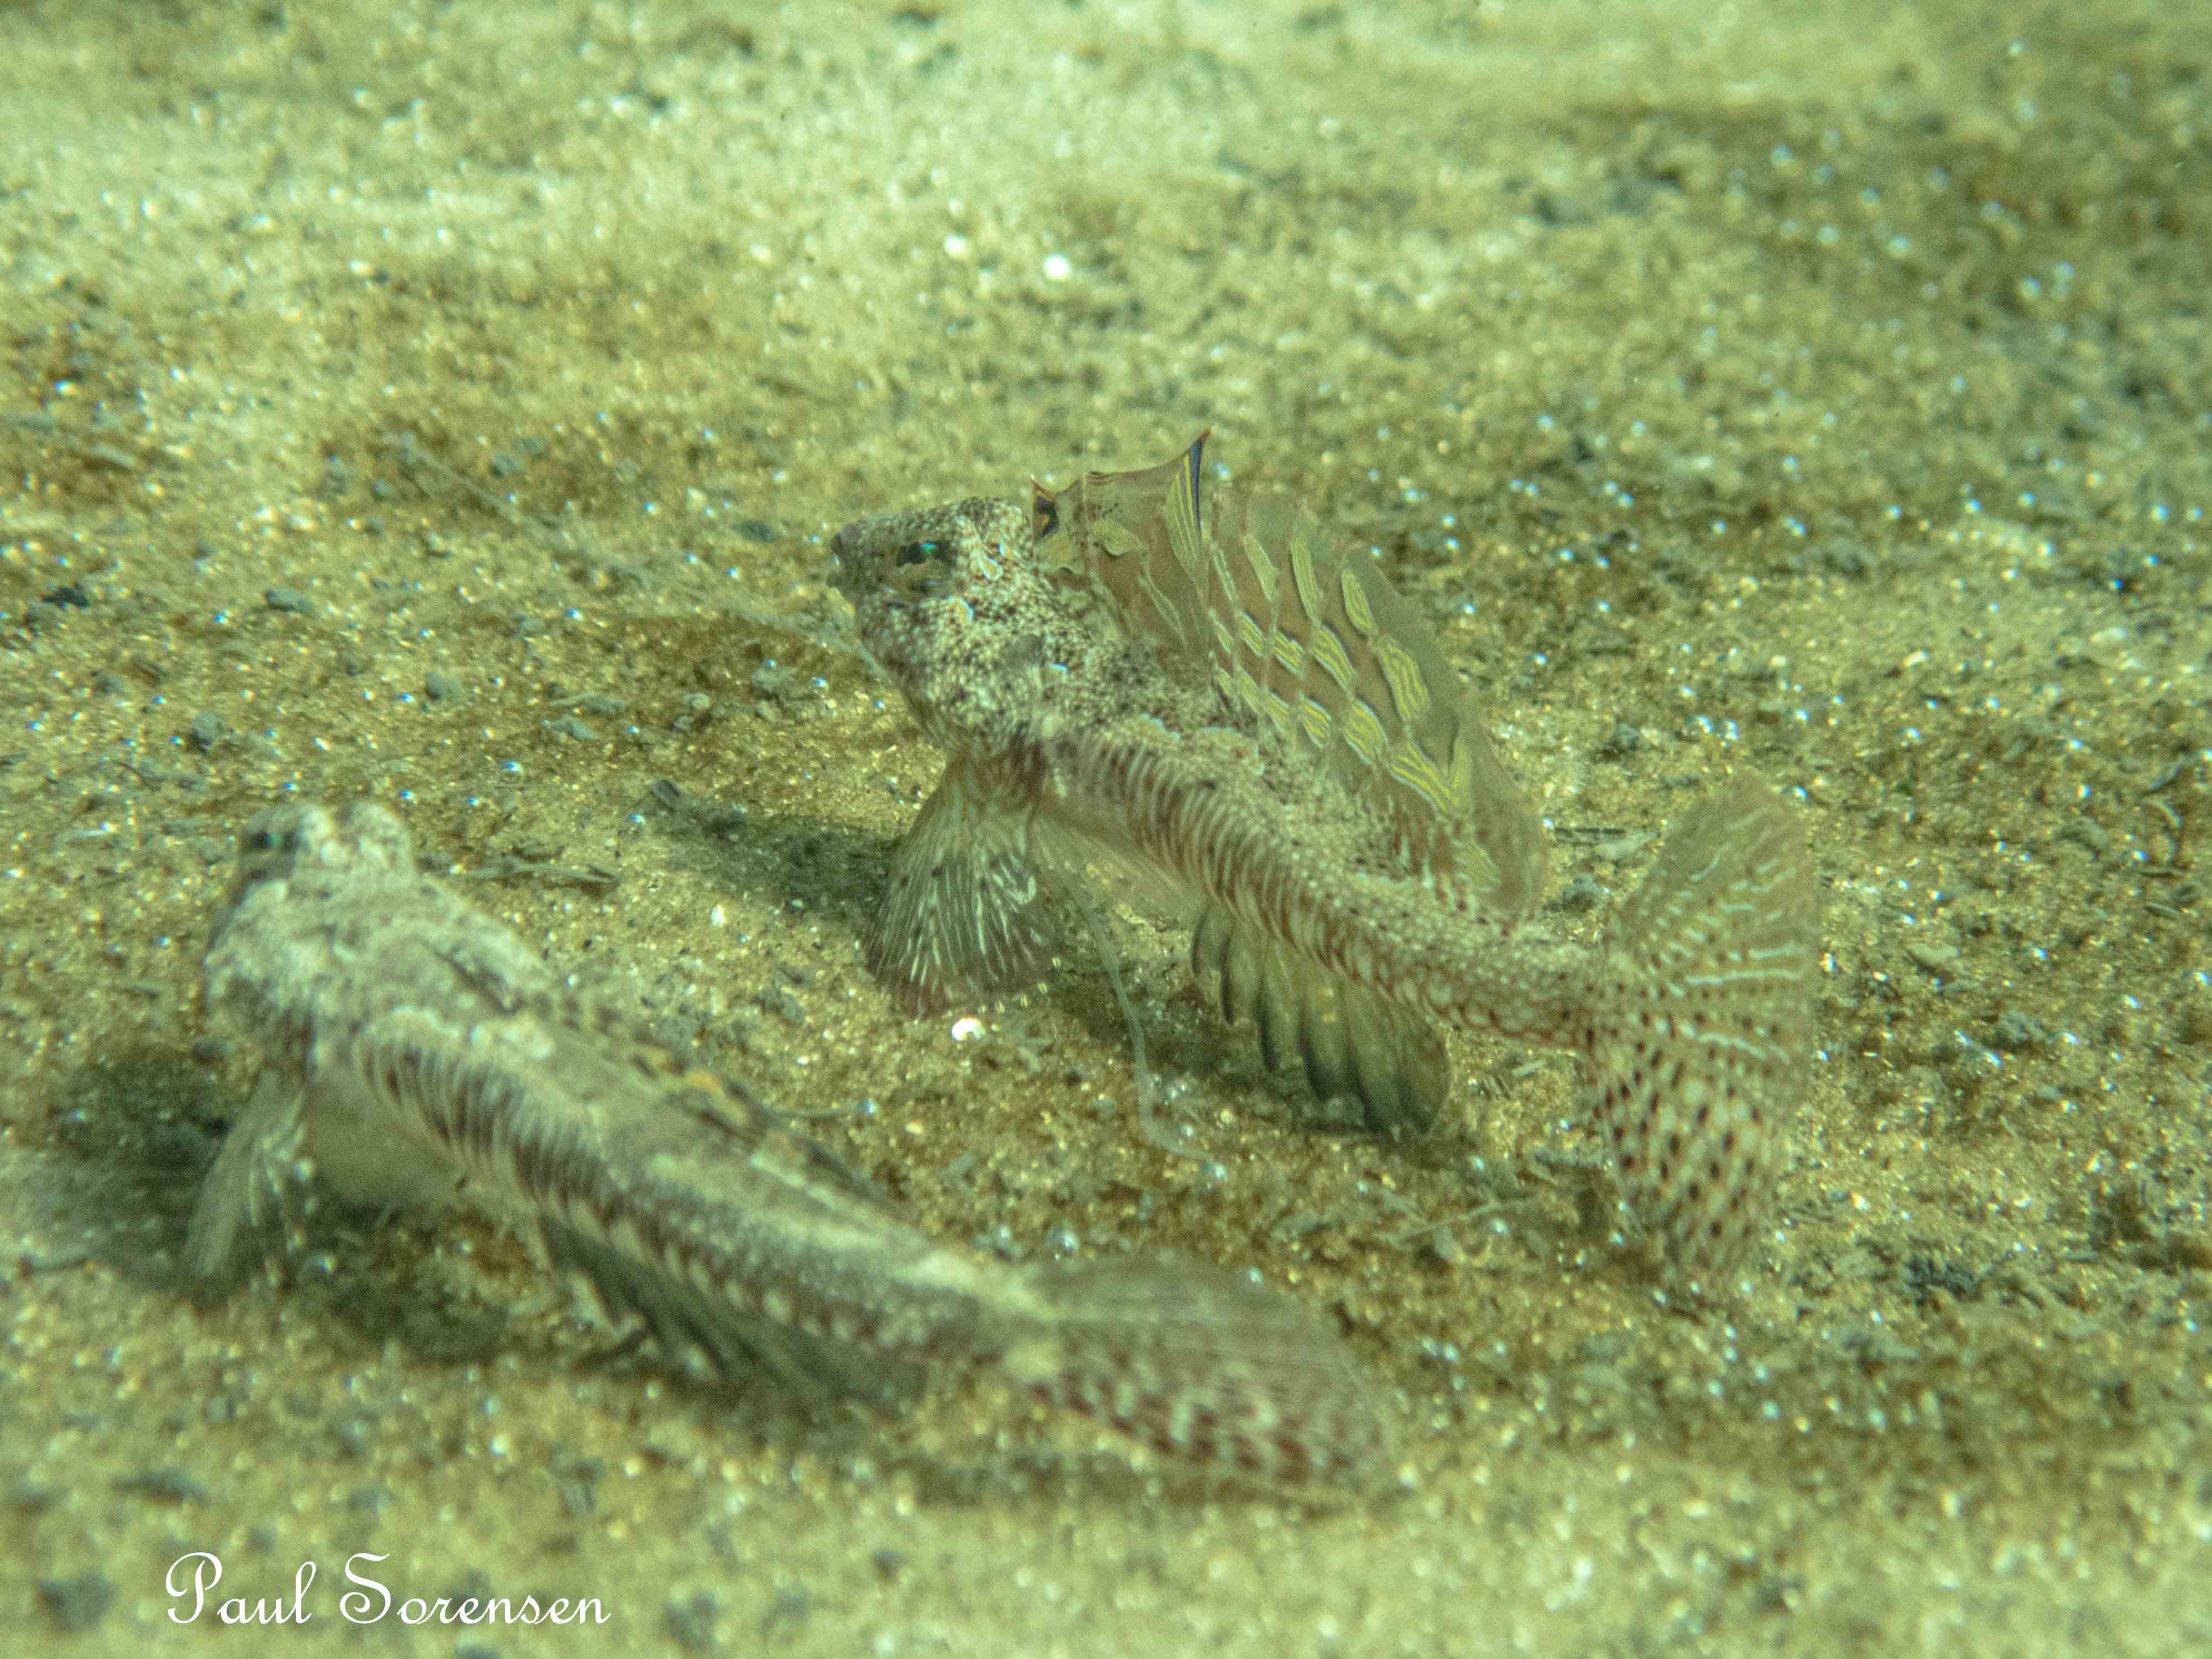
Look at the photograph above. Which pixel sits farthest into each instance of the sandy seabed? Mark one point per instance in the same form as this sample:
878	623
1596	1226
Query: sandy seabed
448	406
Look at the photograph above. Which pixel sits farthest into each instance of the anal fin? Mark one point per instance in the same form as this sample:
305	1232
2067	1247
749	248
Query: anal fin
1351	1042
682	1317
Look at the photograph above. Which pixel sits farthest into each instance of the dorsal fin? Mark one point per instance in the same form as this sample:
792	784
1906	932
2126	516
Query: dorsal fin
1119	534
1311	649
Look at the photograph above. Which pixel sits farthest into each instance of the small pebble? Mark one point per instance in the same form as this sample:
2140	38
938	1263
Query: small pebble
2014	1033
1624	741
79	1603
1623	848
776	680
169	1485
1584	892
289	600
1936	958
691	1621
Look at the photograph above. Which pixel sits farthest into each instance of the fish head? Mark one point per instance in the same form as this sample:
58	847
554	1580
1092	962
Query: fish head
951	604
305	847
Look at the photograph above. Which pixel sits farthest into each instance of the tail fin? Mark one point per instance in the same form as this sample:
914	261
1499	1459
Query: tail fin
1702	1024
1208	1370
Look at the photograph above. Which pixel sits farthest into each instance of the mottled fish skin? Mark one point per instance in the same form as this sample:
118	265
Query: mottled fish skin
1355	873
419	1050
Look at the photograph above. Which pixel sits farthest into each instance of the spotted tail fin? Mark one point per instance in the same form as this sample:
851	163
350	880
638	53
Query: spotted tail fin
1702	1029
1208	1371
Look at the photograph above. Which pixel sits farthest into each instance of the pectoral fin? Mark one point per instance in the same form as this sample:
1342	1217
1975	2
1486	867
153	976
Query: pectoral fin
243	1197
963	918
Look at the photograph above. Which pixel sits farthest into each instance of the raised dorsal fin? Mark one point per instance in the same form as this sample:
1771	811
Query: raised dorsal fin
1120	530
1312	649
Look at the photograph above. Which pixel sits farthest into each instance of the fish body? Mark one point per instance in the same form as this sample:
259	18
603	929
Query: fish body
417	1049
1262	737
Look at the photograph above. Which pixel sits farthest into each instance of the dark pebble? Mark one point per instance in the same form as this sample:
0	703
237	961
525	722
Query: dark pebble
290	601
2014	1033
1584	892
78	1604
1625	740
691	1621
1844	555
576	1480
170	1485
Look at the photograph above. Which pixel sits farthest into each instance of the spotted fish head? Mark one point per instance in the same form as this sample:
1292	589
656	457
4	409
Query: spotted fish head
950	605
298	847
912	558
301	842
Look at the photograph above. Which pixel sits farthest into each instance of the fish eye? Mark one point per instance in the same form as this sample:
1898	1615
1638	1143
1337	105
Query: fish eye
917	552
